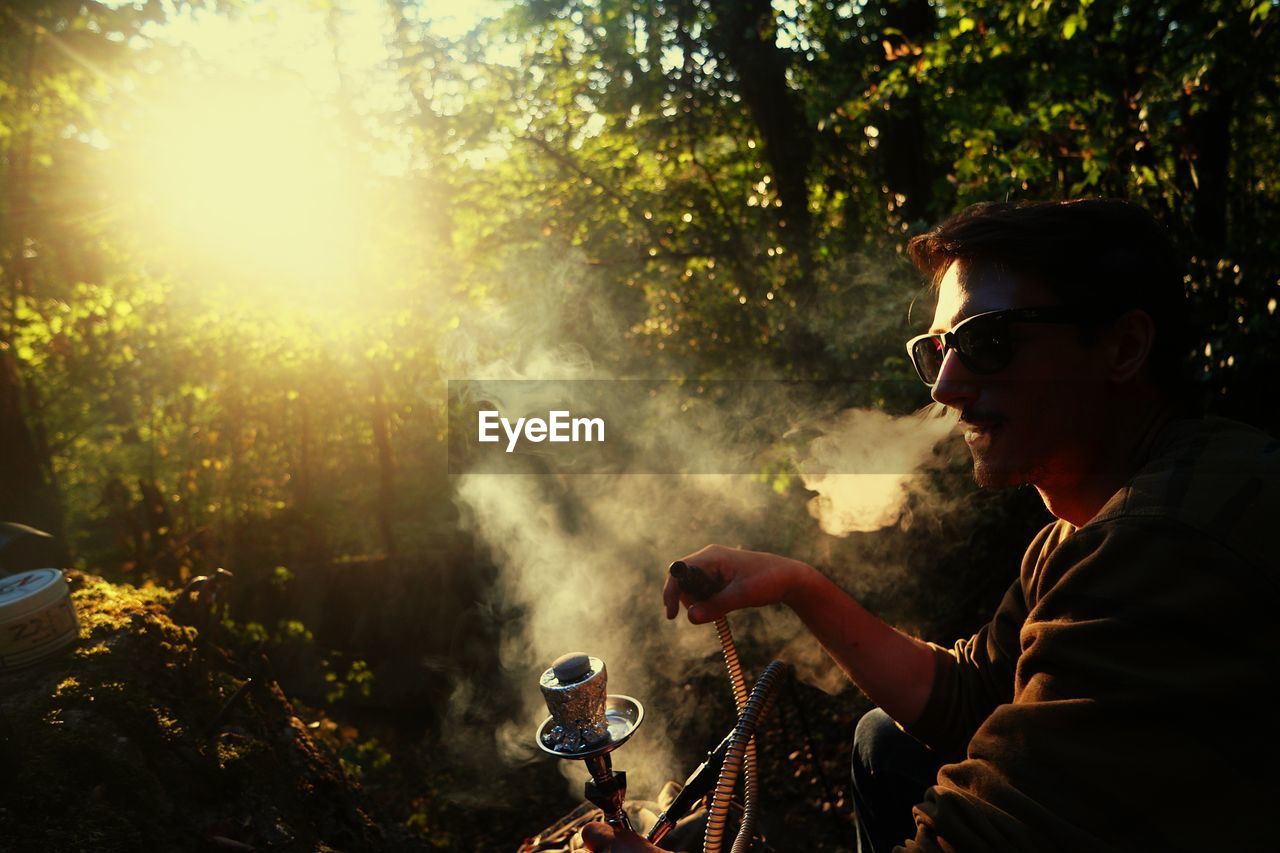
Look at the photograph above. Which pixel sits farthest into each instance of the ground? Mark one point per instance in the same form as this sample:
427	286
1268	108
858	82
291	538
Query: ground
146	736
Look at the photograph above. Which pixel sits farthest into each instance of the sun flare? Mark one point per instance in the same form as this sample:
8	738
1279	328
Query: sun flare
252	183
263	162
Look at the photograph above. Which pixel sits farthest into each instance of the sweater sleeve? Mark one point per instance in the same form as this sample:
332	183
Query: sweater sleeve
970	679
976	674
1136	720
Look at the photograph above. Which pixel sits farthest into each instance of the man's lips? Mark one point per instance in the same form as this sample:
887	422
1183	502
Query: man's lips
977	426
980	420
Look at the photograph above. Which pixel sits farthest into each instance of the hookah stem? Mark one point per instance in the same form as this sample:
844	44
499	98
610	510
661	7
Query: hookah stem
750	775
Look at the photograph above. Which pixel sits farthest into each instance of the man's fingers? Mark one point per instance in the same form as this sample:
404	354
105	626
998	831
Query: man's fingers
706	561
673	593
597	836
602	838
709	610
671	596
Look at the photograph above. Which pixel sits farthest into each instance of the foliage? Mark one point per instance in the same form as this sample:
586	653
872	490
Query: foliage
736	184
357	680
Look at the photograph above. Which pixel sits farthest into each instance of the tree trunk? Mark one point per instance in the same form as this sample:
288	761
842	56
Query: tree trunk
26	495
904	146
1209	134
743	34
386	466
27	492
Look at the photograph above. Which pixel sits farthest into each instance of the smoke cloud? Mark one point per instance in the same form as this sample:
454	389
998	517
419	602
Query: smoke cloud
582	558
863	464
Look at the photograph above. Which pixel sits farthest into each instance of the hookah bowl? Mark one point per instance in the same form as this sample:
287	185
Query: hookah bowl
587	724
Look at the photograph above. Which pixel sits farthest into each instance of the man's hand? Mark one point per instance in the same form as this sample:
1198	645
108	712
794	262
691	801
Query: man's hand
751	579
894	669
603	838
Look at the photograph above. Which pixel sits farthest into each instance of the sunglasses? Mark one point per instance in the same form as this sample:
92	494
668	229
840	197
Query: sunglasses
982	342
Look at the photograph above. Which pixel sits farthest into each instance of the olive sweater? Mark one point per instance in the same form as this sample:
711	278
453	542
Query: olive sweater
1117	699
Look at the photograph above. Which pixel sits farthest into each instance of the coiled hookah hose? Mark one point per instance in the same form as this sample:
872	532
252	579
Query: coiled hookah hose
740	757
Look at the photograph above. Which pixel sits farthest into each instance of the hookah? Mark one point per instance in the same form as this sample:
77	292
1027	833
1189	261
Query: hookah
586	723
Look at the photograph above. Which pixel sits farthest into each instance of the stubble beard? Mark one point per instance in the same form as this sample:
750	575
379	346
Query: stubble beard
988	475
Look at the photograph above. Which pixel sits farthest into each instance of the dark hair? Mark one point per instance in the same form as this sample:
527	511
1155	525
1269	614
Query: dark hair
1107	253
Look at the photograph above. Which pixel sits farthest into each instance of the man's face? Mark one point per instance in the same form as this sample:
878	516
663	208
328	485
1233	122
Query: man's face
1038	419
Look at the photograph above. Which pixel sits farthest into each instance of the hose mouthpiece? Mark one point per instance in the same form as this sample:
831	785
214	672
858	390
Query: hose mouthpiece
699	584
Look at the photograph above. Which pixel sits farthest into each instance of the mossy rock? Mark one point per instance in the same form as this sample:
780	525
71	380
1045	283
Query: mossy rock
146	736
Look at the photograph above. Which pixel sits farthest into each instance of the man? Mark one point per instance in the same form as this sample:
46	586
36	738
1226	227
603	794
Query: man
1116	699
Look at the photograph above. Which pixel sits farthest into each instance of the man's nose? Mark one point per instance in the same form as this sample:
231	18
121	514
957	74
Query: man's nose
956	386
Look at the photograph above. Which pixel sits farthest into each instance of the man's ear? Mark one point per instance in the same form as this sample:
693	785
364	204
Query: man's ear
1128	344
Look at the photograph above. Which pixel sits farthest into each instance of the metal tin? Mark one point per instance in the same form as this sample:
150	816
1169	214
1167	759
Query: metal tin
577	709
37	617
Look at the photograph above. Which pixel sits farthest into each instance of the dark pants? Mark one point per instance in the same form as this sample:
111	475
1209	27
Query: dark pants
891	771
